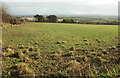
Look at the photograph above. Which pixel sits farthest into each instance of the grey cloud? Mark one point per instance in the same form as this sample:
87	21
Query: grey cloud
60	8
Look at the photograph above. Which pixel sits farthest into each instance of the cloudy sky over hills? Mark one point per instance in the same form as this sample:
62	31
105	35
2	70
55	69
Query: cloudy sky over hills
63	7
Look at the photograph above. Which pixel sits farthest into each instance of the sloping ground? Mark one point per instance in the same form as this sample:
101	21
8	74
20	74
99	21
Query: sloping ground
52	49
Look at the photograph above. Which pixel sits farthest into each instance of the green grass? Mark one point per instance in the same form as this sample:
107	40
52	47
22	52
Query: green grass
46	35
48	47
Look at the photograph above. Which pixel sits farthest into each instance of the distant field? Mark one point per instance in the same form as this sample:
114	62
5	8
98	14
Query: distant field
61	49
91	18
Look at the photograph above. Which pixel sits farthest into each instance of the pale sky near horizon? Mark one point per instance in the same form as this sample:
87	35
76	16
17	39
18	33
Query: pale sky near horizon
63	7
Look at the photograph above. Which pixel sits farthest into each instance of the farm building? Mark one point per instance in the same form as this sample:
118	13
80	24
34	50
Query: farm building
30	19
60	20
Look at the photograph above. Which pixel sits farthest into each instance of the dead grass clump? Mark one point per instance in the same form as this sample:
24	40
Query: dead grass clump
27	46
58	42
118	61
72	48
21	55
27	59
62	46
36	49
23	69
118	46
77	44
87	43
16	55
73	68
64	42
22	46
36	43
90	56
31	49
35	55
81	59
55	56
100	54
78	49
94	53
85	40
9	50
85	59
58	51
97	61
26	51
5	54
98	40
104	52
69	54
113	47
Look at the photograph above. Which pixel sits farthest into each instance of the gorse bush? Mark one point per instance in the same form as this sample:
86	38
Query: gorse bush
68	21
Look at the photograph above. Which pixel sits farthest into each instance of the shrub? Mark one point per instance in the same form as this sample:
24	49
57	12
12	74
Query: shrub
52	18
68	21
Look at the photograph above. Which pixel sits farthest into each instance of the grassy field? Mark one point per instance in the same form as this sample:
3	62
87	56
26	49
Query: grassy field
88	18
56	49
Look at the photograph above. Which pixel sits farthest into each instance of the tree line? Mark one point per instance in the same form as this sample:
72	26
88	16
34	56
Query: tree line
51	18
41	18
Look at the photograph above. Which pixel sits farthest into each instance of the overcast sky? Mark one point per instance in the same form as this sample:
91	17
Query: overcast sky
63	7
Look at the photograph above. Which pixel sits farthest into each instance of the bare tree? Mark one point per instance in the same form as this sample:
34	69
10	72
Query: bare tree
5	16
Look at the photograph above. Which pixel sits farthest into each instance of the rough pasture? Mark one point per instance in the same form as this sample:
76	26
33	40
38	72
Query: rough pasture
48	49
